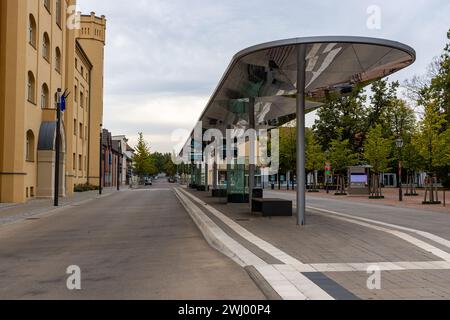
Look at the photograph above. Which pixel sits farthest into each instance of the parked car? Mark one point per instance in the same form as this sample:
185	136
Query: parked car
171	180
148	182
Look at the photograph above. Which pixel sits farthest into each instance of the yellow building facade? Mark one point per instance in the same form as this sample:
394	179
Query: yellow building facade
46	45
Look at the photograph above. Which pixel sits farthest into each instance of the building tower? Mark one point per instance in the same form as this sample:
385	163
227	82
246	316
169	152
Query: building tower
92	36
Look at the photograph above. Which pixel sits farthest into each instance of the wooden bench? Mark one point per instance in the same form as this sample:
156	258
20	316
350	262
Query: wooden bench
272	207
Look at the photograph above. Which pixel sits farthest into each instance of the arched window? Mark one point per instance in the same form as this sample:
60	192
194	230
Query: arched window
57	59
46	47
44	96
32	31
30	150
31	87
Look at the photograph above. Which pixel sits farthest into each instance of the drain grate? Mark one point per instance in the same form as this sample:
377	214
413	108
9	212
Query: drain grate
242	220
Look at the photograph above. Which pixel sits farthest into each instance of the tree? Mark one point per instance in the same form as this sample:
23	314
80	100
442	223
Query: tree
377	150
398	119
143	164
341	155
434	85
345	113
382	101
439	89
170	168
288	147
315	157
433	144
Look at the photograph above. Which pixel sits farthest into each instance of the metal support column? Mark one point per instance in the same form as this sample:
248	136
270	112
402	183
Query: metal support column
301	181
206	176
252	157
215	176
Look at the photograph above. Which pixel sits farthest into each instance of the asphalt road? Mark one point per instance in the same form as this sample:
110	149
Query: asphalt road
131	245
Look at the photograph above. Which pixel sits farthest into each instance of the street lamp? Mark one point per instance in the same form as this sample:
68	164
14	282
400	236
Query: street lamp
399	144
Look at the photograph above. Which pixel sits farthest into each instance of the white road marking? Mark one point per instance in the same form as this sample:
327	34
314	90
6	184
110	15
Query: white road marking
287	289
404	236
288	280
424	234
247	235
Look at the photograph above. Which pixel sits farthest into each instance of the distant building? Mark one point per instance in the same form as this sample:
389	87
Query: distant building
39	53
112	157
127	159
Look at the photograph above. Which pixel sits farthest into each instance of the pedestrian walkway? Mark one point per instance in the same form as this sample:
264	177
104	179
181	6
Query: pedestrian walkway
14	212
335	251
391	199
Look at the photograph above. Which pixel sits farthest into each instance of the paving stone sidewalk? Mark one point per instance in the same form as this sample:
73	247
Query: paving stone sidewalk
329	241
14	212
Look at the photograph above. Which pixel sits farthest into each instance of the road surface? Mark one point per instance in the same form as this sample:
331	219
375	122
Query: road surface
138	244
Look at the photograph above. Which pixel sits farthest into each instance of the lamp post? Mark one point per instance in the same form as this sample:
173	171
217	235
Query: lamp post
100	187
57	147
399	144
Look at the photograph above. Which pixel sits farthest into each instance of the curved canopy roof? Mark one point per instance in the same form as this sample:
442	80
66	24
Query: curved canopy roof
267	73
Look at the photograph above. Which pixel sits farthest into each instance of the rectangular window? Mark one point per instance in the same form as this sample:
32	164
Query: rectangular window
81	130
82	100
74	161
58	12
76	94
47	5
75	127
80	163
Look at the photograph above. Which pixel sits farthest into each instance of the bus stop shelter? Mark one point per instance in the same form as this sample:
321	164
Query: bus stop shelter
271	84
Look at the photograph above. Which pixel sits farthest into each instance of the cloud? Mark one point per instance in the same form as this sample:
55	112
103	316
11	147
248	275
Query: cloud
165	58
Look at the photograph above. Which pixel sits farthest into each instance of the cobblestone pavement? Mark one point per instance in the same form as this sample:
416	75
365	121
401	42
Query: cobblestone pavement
342	248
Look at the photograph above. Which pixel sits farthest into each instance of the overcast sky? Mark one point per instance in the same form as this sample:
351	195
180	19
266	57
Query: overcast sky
165	58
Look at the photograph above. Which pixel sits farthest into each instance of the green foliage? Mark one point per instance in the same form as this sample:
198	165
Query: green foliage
433	144
142	160
412	160
169	167
345	113
84	188
398	119
383	102
315	157
439	89
288	148
341	154
378	149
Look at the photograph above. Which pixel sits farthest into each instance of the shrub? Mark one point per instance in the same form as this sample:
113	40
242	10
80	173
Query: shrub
84	188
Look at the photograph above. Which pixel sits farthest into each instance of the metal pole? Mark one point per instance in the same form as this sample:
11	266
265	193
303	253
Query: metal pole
215	175
57	147
301	181
400	167
251	167
118	173
100	187
206	176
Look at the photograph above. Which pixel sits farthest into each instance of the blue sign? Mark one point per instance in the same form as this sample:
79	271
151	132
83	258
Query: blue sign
63	103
